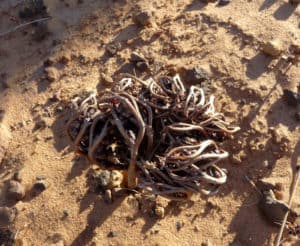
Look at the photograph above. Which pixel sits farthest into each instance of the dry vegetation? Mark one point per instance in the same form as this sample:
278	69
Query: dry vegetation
245	53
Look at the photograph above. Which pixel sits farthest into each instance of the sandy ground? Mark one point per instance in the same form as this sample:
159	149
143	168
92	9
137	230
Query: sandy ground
248	88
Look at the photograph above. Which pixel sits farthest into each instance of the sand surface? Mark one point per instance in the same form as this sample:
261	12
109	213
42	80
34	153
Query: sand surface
248	86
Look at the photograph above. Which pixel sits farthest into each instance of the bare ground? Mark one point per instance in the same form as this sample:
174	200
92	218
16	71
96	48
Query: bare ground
247	84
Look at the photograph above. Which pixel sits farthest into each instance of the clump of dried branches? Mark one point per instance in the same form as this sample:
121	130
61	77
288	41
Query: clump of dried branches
162	132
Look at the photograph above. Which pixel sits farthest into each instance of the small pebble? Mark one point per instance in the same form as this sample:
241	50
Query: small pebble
113	48
207	243
179	225
224	2
59	243
51	74
273	209
7	216
17	176
15	190
56	97
65	58
59	109
49	62
159	211
142	66
40	177
108	196
139	61
116	179
136	57
142	18
106	79
111	234
195	75
272	48
103	177
40	186
5	137
65	213
40	125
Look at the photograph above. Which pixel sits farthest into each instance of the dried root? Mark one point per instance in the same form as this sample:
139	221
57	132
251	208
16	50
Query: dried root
163	133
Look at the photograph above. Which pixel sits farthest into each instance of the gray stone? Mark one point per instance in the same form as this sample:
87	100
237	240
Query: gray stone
15	190
7	216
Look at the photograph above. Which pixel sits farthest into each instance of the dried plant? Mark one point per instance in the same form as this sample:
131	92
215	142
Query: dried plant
162	132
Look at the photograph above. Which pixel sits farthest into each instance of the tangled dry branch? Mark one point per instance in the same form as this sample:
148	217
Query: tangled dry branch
162	132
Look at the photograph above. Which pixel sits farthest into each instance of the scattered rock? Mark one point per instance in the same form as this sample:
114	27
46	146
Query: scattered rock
59	243
266	164
195	75
7	216
56	239
272	48
116	179
4	140
207	243
159	211
294	1
51	74
40	186
142	18
65	213
103	177
136	57
113	48
108	196
107	179
291	98
40	177
274	210
112	234
224	2
49	62
56	97
142	66
40	125
196	228
263	87
15	190
65	58
179	225
106	79
139	61
17	176
59	109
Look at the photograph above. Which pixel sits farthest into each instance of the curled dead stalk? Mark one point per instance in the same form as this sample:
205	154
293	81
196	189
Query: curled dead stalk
162	132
